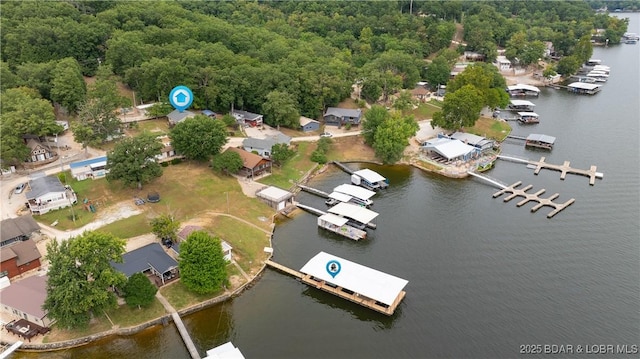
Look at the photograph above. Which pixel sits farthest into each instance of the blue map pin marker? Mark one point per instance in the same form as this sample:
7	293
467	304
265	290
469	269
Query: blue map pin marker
333	268
181	98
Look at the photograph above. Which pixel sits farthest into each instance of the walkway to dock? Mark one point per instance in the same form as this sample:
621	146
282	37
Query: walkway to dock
315	191
533	197
180	325
10	349
343	167
287	270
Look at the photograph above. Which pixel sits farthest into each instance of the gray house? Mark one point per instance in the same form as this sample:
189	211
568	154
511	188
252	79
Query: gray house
148	259
17	229
263	146
308	125
247	118
341	116
479	142
47	194
176	116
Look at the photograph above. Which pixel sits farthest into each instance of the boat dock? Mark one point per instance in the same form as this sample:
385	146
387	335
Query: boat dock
193	352
514	192
359	284
339	225
564	168
318	212
312	190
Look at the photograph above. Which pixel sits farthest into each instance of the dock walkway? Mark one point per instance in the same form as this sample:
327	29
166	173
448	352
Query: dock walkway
564	168
312	190
535	197
343	167
180	325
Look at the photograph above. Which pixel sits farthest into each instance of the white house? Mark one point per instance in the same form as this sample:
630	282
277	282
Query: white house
47	194
503	63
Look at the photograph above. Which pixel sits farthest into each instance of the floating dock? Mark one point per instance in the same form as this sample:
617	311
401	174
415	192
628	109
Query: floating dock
318	212
514	192
360	215
369	179
564	168
360	195
368	287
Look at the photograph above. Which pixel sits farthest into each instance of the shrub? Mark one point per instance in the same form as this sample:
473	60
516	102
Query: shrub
176	161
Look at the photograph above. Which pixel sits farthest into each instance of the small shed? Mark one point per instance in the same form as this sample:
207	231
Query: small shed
209	113
275	197
308	125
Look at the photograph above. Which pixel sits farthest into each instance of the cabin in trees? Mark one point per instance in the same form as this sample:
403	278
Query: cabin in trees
308	125
175	117
40	153
503	63
19	257
167	152
247	119
252	165
48	194
336	116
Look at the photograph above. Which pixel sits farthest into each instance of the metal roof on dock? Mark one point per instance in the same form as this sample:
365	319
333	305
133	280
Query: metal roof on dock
523	87
355	191
380	286
340	196
360	214
522	103
528	114
369	175
333	219
583	86
541	138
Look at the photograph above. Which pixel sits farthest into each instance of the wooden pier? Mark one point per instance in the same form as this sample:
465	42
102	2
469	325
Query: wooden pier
565	168
535	197
343	167
312	190
339	291
193	352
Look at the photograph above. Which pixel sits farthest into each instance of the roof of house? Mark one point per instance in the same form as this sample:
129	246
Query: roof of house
306	120
187	230
89	162
44	185
208	113
150	256
26	295
343	112
25	251
258	143
470	138
16	227
33	144
420	90
274	194
280	137
249	160
176	116
245	115
449	148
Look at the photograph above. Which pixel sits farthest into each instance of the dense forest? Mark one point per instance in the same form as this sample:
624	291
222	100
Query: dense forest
244	53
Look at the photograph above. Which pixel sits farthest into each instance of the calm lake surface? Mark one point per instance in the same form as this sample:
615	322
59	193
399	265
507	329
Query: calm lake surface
485	277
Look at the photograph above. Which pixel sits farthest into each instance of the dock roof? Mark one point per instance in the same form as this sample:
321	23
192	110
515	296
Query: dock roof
333	219
353	211
583	86
360	279
523	87
369	175
355	191
533	114
340	196
522	103
449	149
541	138
274	194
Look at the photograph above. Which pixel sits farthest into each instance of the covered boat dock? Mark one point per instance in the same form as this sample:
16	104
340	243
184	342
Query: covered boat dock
369	179
360	195
584	88
540	141
337	224
521	105
528	117
523	90
360	216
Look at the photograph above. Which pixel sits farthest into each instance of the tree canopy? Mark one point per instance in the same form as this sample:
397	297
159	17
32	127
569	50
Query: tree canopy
199	137
202	266
460	109
139	291
80	277
392	137
133	160
227	162
165	226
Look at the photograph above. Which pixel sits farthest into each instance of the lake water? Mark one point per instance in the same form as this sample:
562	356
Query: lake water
485	277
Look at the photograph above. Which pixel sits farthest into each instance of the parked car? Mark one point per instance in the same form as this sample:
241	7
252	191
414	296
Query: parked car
20	188
326	134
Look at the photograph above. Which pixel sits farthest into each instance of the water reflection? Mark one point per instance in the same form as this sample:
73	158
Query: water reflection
211	327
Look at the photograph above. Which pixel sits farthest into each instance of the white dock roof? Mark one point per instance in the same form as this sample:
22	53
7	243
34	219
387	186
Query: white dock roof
363	280
333	219
541	138
369	175
355	191
584	85
522	103
340	196
528	114
360	214
523	87
224	351
274	193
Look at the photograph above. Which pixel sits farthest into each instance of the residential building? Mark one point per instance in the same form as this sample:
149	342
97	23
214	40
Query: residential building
24	300
176	116
246	118
18	258
93	168
341	116
17	229
308	125
40	153
252	165
150	259
263	146
47	194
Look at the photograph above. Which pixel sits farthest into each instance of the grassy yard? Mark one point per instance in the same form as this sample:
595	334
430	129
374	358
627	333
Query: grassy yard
156	126
490	128
285	176
129	227
425	111
180	297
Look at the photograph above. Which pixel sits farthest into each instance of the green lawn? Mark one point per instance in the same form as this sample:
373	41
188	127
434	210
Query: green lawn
490	128
125	316
286	176
426	110
129	227
180	297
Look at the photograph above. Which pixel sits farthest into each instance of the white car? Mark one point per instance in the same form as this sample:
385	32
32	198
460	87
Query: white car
326	134
19	188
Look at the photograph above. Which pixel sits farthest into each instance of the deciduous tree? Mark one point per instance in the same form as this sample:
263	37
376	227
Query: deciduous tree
227	162
80	277
133	160
68	86
165	226
139	291
372	120
280	108
202	265
199	137
392	137
460	109
280	153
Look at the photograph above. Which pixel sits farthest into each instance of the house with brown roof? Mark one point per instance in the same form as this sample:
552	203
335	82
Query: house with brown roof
420	93
40	153
252	165
24	299
17	229
18	258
